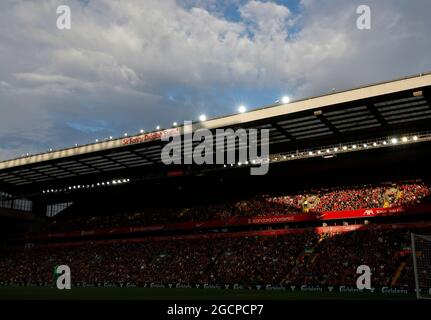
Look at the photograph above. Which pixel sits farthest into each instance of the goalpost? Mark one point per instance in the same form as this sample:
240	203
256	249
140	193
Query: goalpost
421	253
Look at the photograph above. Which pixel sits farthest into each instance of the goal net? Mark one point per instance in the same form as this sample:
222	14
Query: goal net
421	253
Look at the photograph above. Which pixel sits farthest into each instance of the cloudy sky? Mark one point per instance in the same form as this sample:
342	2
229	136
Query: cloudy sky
127	65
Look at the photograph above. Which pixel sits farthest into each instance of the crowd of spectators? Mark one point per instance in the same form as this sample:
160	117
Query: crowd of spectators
360	197
291	259
246	260
336	258
335	199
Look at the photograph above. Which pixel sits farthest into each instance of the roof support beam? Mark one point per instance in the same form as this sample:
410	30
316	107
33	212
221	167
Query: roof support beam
21	177
62	168
142	156
283	131
115	161
377	114
327	123
88	165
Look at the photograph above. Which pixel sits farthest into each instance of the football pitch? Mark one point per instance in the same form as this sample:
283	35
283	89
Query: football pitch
92	293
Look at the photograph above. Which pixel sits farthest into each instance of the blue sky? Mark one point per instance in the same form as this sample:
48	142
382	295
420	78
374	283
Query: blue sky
229	9
129	65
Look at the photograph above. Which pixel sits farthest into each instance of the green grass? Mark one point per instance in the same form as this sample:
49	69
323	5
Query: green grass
45	293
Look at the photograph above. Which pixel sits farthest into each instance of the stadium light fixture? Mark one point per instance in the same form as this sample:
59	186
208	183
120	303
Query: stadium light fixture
404	139
365	145
285	99
384	142
174	124
319	152
292	156
394	140
50	149
125	134
110	137
310	153
375	144
242	109
97	140
158	128
335	149
202	117
344	148
327	150
354	146
415	138
142	131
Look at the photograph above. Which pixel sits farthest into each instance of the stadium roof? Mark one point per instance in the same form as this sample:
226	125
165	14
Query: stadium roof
397	106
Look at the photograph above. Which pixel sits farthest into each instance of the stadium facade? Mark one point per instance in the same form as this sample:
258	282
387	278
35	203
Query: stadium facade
347	171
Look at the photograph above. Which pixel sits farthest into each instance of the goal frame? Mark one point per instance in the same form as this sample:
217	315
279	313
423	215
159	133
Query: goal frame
415	267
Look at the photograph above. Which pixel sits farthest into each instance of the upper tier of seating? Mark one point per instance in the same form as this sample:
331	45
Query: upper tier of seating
321	200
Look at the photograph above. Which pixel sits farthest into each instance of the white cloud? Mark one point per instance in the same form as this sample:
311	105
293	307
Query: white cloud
270	20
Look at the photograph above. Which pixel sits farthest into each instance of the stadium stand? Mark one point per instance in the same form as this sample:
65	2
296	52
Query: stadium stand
321	200
328	256
117	216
